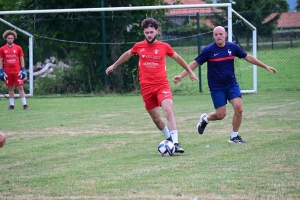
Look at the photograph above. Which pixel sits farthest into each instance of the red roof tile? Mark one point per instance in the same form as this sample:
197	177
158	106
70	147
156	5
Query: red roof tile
286	20
289	20
189	11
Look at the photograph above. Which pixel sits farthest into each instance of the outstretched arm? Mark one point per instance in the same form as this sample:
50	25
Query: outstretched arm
123	58
257	62
185	66
191	66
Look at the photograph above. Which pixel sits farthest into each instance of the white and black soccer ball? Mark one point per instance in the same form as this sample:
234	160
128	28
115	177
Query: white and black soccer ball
166	148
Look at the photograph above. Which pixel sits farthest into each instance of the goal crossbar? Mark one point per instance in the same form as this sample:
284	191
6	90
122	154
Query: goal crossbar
114	9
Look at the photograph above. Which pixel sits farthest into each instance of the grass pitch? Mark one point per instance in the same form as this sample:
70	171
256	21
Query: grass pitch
106	148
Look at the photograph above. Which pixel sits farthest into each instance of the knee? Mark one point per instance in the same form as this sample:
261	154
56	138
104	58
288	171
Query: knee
239	111
156	120
168	112
11	88
20	88
221	115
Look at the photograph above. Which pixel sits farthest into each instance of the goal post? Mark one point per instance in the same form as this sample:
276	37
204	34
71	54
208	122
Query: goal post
229	27
254	51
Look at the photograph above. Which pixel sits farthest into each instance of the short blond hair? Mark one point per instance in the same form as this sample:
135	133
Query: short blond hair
9	32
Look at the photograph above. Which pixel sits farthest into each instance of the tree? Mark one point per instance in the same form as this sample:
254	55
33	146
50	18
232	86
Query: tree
87	28
298	5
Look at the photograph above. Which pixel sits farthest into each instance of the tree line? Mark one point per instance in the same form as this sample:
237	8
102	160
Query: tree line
87	60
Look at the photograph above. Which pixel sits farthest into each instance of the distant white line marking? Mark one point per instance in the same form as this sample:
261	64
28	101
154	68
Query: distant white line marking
278	106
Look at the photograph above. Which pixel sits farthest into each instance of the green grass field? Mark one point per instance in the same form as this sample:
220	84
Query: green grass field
106	148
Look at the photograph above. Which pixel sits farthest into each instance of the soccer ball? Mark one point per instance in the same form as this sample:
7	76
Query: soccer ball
166	148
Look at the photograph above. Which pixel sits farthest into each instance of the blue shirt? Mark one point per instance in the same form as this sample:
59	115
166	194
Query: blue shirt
220	64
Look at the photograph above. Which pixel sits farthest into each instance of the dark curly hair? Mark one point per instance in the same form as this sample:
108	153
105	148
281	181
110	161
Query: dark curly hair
149	22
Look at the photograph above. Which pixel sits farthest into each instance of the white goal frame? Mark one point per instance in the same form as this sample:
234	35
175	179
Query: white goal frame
106	9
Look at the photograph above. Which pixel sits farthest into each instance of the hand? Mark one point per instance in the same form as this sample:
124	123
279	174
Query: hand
3	75
176	79
271	69
22	73
110	69
193	76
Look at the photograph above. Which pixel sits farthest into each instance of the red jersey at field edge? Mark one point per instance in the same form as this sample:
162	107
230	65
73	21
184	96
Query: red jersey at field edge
152	61
11	58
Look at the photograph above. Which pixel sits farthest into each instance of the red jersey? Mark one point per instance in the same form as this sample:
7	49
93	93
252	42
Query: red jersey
152	62
11	58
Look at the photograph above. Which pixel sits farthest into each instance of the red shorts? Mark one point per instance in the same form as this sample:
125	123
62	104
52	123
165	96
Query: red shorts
154	95
13	79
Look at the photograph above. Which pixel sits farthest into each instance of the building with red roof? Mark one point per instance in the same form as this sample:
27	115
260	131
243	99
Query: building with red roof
287	20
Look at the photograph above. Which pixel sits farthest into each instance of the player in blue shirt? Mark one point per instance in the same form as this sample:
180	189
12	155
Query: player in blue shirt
222	82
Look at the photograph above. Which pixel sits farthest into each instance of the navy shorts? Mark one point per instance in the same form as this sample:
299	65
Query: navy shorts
220	98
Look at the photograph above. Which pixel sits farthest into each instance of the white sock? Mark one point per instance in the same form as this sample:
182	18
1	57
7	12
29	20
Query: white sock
234	134
174	135
166	132
205	118
12	101
23	101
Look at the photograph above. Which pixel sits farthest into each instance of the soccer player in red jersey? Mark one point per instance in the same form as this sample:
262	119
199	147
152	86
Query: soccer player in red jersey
155	88
222	81
12	69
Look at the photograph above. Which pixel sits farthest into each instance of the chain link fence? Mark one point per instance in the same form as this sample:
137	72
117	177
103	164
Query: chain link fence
77	49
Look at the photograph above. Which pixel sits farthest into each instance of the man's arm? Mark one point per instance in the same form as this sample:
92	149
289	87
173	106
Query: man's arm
3	76
185	66
22	73
123	58
22	62
257	62
1	63
192	66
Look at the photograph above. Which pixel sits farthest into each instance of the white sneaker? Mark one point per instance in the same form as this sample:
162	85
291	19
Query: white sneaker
202	124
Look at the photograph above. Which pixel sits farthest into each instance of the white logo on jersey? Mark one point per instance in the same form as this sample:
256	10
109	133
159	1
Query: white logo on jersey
156	51
166	92
142	50
150	64
215	54
14	51
229	52
152	57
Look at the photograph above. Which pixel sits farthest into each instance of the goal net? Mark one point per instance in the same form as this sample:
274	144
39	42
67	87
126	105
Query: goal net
71	48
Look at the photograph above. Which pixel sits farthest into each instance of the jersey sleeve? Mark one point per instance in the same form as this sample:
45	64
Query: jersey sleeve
20	52
1	53
240	53
203	56
134	49
169	50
